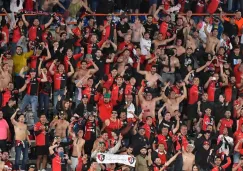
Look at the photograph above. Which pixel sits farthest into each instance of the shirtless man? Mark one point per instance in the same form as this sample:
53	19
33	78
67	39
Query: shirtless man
5	76
188	158
22	141
148	103
159	41
83	73
172	102
170	63
193	40
179	48
60	126
137	30
150	76
212	43
123	60
78	147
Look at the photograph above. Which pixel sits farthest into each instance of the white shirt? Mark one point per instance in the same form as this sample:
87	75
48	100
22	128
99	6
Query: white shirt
230	141
202	33
145	46
130	108
14	7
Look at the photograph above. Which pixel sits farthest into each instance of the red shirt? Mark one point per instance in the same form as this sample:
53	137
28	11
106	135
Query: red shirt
7	94
193	94
105	109
239	123
75	57
237	74
212	88
59	81
115	95
40	139
87	91
109	82
225	123
238	135
33	32
124	44
239	169
16	35
206	121
77	32
6	31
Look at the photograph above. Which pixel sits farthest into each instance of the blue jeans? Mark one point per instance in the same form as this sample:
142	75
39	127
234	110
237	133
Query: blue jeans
77	49
33	100
55	95
236	157
24	150
44	103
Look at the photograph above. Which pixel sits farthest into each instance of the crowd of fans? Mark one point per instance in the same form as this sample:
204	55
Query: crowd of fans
165	89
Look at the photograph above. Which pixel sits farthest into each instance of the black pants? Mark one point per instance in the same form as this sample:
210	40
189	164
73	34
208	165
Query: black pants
3	145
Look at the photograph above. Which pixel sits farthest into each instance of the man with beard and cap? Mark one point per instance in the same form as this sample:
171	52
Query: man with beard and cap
202	154
139	139
142	160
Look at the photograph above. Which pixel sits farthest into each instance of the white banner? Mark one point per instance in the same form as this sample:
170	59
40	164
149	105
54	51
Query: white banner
115	158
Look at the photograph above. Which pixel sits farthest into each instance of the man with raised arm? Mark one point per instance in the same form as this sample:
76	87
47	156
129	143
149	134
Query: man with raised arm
22	141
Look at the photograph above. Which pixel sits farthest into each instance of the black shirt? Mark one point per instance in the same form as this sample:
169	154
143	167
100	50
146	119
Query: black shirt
123	28
230	29
101	65
150	28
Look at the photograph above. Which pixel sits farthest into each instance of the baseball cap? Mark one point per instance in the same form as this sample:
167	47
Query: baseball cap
84	96
32	70
107	95
206	143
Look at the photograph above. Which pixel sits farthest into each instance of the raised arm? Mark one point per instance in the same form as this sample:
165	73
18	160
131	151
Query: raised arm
49	22
51	149
138	69
52	66
140	94
184	95
206	31
172	159
160	117
207	83
69	74
164	97
186	80
156	16
96	68
13	121
27	24
44	79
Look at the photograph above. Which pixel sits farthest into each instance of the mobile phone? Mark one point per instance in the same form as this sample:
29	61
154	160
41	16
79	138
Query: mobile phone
214	78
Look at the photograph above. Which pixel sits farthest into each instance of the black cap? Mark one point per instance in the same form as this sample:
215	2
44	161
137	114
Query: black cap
84	96
32	70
